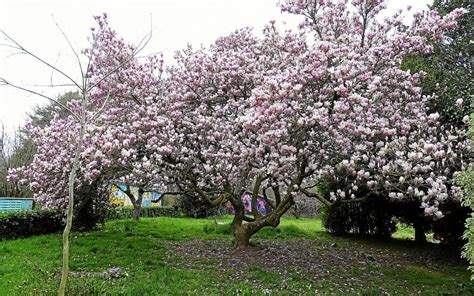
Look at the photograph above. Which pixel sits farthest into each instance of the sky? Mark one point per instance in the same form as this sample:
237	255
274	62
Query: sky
174	23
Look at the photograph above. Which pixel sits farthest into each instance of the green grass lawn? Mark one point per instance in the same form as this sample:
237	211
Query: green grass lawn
152	255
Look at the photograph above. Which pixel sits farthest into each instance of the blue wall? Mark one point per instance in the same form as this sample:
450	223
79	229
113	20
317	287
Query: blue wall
15	204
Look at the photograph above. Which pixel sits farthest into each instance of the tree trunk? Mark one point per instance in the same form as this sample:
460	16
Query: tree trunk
420	236
137	205
240	231
70	208
242	236
137	210
243	228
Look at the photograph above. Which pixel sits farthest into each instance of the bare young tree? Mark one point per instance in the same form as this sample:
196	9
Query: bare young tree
81	113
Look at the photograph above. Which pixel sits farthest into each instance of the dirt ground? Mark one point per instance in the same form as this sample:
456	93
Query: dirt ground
342	264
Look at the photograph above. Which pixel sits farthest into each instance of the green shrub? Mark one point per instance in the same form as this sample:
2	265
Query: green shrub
450	228
195	208
116	213
467	181
367	218
90	207
409	212
24	224
15	225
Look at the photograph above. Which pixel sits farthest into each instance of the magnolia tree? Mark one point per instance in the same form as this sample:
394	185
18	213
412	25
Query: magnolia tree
208	154
274	115
375	111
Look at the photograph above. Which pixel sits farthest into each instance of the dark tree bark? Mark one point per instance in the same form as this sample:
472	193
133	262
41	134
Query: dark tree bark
136	201
244	227
240	230
137	205
242	236
420	236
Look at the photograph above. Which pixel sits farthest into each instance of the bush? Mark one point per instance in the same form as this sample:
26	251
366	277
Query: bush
377	216
368	218
91	206
450	228
15	225
304	207
195	208
24	224
116	213
467	181
409	212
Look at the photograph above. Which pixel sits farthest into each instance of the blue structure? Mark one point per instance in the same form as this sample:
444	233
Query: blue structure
118	197
15	204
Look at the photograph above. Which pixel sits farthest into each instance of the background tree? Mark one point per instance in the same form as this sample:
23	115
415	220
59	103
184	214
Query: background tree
41	116
467	181
449	67
449	75
450	62
15	151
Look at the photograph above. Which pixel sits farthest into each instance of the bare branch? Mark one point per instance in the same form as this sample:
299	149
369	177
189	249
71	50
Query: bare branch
26	51
127	191
276	193
315	195
70	46
7	83
52	71
97	113
51	85
86	77
265	196
256	189
212	202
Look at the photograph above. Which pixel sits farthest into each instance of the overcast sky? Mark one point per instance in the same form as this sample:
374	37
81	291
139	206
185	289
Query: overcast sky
175	24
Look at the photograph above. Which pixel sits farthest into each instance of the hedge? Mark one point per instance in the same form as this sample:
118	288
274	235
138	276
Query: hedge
366	218
27	223
196	208
15	225
117	213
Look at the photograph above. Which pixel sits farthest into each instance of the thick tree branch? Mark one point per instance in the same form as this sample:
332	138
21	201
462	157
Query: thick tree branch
256	189
315	195
212	202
